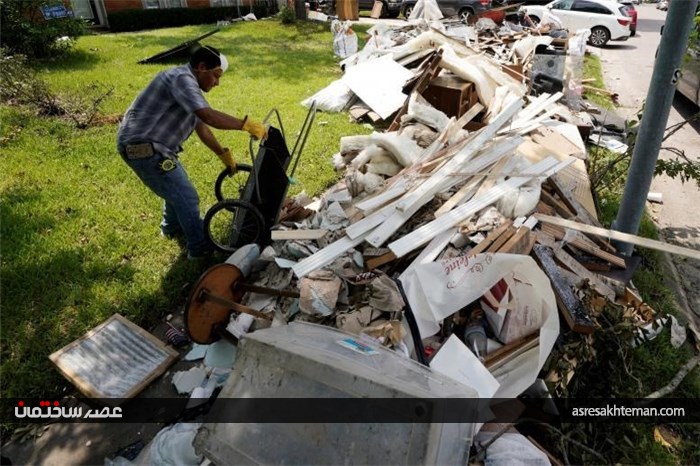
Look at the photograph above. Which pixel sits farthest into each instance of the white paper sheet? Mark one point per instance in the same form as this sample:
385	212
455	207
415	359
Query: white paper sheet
455	360
439	289
378	82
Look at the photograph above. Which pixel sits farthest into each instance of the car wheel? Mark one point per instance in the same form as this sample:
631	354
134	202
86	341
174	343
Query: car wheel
534	19
599	36
465	14
407	11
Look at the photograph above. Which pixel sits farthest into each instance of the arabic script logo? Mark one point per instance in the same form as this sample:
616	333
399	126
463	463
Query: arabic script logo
54	410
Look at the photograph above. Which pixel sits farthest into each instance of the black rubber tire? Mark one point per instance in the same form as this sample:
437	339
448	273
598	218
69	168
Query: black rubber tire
408	9
465	13
253	231
599	36
535	19
241	178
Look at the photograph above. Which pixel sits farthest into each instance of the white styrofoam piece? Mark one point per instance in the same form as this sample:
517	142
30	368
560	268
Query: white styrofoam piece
326	255
383	95
425	233
531	222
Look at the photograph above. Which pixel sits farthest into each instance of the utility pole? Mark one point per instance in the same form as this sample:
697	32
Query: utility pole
674	42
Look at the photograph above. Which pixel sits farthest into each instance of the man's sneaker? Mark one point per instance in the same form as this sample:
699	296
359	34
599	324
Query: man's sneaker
200	255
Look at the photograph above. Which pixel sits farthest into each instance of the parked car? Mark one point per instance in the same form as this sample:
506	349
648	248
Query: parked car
689	84
463	8
390	8
630	11
605	18
663	5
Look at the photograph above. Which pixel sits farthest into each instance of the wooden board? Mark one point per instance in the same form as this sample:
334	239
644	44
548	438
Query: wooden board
116	359
490	238
519	243
619	236
569	305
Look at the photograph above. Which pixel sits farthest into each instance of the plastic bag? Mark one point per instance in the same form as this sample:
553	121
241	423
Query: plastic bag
344	39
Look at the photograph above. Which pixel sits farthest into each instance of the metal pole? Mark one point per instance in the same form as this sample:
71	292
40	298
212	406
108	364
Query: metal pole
674	42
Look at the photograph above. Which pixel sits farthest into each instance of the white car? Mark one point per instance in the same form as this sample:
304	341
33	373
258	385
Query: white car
604	18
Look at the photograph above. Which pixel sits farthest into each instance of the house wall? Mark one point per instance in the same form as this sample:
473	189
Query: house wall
117	5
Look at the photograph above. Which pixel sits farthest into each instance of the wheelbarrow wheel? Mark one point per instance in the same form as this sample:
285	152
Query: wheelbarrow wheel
230	224
235	185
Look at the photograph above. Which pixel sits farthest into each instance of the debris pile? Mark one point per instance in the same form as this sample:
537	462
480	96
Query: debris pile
441	240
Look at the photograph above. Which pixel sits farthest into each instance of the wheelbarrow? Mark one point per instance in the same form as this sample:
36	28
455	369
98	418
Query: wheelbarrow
250	204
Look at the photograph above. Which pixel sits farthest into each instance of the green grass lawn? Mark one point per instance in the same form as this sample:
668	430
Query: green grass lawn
80	237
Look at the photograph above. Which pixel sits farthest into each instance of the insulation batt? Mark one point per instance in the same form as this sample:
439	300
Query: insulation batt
350	146
402	148
485	87
521	202
383	164
422	134
370	182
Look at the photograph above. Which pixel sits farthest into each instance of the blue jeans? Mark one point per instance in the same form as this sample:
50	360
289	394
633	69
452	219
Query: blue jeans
181	206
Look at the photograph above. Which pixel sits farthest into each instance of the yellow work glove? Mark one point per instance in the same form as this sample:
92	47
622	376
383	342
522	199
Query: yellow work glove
257	130
228	160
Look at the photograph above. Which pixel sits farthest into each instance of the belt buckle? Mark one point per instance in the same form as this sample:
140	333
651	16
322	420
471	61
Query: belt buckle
139	151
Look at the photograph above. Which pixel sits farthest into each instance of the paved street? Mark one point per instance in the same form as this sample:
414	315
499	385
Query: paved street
627	68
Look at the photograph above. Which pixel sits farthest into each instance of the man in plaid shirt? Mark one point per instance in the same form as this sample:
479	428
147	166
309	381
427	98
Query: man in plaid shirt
156	124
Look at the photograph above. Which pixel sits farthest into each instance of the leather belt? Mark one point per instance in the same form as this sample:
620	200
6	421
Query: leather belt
139	151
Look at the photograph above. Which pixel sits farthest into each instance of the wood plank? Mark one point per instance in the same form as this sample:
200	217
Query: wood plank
569	305
559	207
570	263
494	356
619	236
585	245
378	261
501	240
282	235
490	238
517	244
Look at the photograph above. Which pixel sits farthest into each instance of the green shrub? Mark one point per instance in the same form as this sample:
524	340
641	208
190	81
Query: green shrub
25	31
137	20
287	15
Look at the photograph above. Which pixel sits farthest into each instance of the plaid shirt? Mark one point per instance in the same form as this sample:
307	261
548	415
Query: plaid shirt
163	113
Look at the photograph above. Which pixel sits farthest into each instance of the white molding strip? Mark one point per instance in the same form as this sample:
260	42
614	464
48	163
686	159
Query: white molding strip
325	256
372	203
432	250
422	235
361	227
